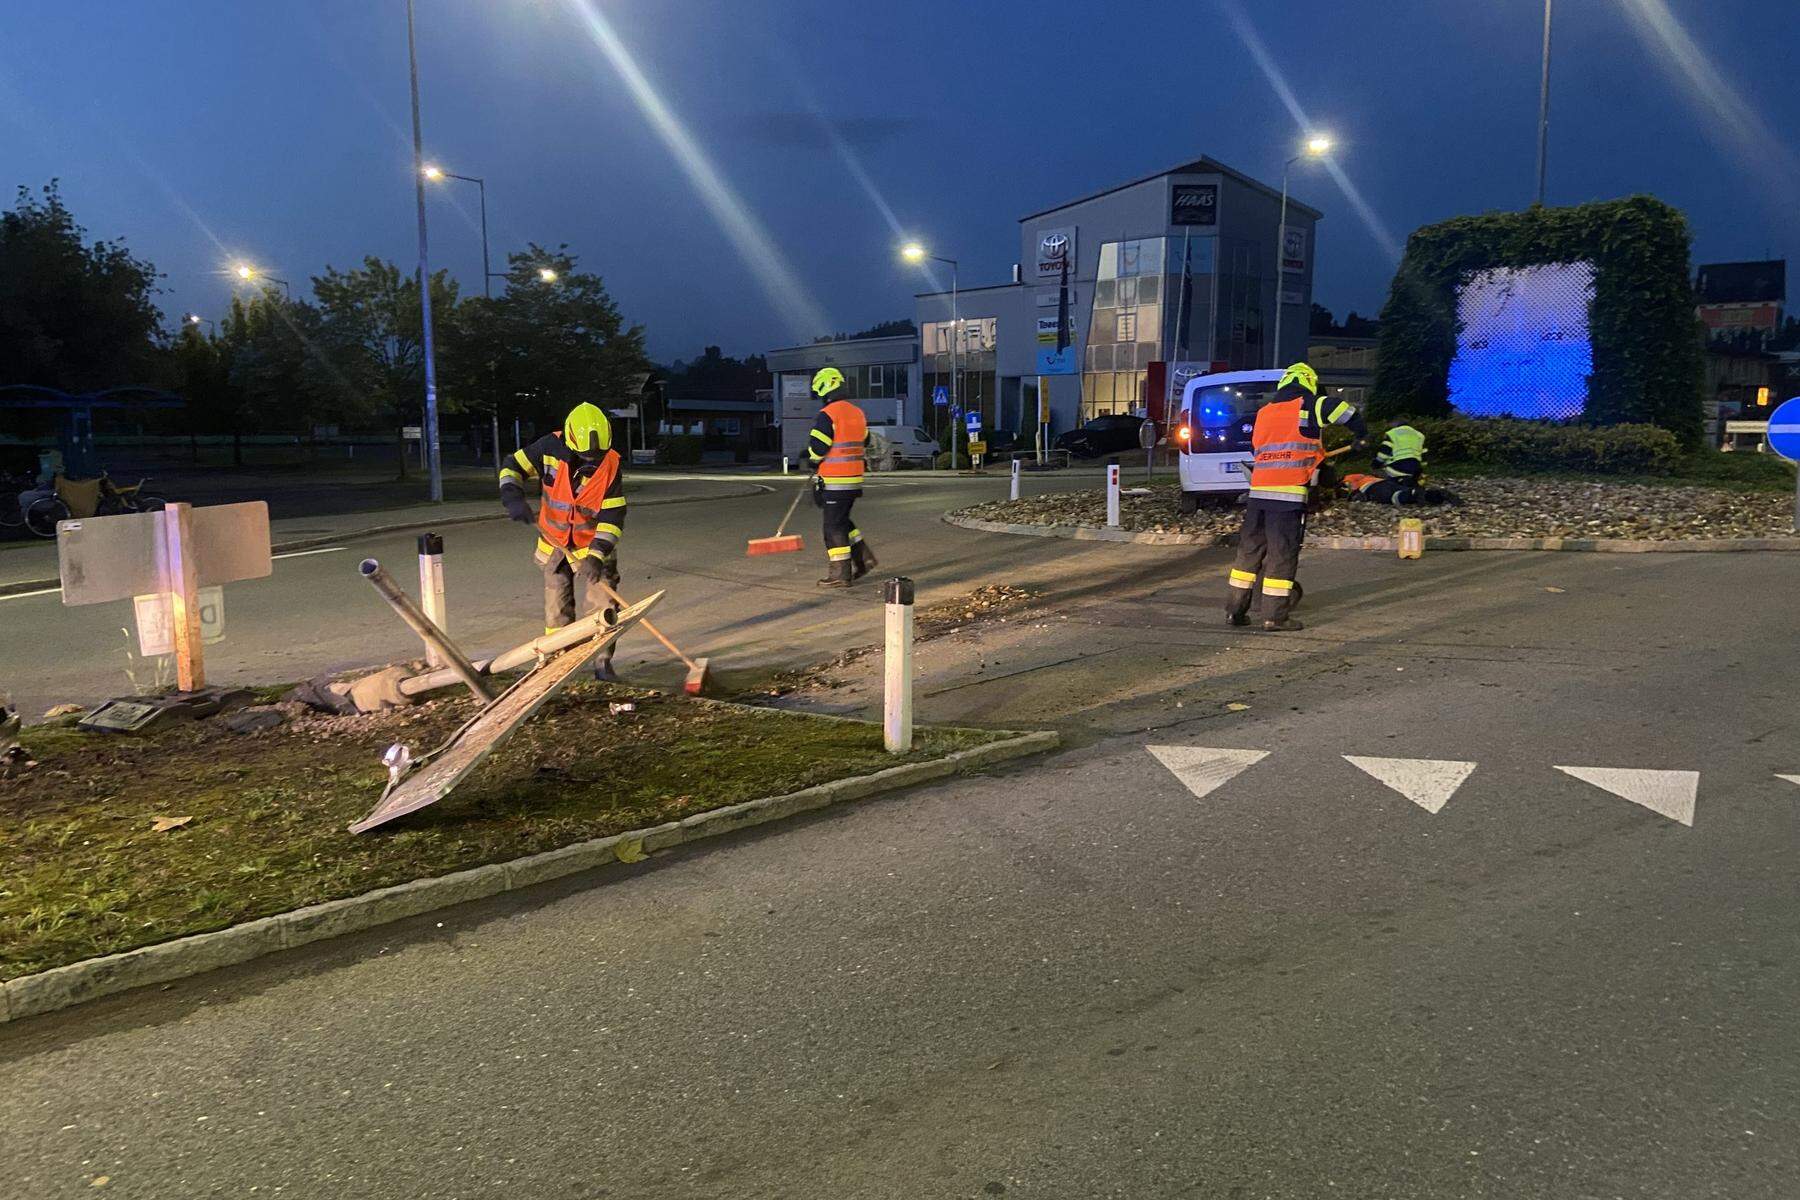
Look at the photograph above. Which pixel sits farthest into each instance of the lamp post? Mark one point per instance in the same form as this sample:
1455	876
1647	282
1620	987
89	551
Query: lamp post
1544	106
197	319
435	174
1316	146
913	252
434	457
250	274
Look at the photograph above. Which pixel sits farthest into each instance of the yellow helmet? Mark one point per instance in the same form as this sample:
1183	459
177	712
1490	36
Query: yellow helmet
1301	374
827	383
587	431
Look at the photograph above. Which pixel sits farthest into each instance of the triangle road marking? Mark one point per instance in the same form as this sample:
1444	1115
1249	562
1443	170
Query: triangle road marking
1203	768
1427	782
1667	793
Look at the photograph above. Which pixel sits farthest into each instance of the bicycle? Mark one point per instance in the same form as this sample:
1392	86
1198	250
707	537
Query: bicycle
68	499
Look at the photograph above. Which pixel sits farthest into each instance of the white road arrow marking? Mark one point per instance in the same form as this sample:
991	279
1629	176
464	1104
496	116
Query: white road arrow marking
1203	768
1669	793
1427	782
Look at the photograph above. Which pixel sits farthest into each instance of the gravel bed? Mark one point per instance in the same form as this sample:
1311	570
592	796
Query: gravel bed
1492	507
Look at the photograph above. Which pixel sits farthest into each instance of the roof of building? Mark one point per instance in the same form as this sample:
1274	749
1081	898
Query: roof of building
1742	282
751	406
1200	166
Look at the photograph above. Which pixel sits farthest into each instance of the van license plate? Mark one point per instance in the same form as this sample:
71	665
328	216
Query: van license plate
1233	468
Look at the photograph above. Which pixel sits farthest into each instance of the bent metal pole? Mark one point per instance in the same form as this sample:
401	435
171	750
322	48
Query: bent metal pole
526	652
429	633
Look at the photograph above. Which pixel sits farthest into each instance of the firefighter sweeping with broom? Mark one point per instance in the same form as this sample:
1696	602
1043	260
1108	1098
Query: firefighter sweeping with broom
581	519
836	450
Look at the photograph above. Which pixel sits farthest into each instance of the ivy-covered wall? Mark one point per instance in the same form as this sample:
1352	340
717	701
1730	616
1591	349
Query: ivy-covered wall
1647	353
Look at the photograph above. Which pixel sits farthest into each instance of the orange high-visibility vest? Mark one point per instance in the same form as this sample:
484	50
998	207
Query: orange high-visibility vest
1359	483
1285	457
568	520
842	467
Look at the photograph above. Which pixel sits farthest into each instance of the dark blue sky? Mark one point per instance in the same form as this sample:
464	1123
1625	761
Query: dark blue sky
210	129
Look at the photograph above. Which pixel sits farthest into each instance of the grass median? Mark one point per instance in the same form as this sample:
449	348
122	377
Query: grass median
83	872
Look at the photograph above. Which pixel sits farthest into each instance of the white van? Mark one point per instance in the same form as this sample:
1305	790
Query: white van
1212	430
895	446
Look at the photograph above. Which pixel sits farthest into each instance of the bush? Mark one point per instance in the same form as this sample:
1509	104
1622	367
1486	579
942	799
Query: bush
1647	359
1544	446
679	451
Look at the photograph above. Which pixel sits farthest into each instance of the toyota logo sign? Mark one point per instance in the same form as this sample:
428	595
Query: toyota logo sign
1055	247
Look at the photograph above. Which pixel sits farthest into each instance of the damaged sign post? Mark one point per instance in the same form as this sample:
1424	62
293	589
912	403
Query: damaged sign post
162	561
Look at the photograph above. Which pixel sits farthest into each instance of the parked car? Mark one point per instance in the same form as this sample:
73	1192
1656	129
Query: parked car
1000	442
1212	432
1113	433
893	446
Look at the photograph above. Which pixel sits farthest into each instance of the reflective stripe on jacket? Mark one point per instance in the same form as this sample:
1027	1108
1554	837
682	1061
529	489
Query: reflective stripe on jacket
1286	454
836	446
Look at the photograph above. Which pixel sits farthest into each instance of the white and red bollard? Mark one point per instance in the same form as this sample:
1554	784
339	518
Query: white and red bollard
1112	496
896	696
431	590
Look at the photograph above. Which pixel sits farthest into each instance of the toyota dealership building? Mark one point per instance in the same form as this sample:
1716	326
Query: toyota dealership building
1166	275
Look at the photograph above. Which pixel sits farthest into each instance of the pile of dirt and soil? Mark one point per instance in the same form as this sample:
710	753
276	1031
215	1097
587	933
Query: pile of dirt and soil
85	869
1492	507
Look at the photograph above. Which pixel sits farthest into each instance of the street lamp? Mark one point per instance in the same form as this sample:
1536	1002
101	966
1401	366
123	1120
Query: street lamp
546	275
1544	106
434	458
197	319
1317	146
915	252
250	274
437	174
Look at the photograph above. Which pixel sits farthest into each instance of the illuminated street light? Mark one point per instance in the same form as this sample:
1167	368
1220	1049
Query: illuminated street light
250	274
434	173
434	463
197	319
915	252
1317	146
546	274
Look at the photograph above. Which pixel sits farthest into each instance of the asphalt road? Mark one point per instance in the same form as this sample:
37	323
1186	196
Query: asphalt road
315	613
1198	955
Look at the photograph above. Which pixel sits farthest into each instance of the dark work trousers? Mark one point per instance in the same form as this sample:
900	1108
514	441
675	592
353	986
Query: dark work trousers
841	532
1269	546
560	580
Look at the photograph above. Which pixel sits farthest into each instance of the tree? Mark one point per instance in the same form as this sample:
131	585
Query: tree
900	327
368	358
266	356
73	315
544	345
716	376
1322	321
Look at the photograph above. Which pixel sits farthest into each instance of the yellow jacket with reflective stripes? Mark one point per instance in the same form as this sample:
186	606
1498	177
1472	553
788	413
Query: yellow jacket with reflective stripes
549	461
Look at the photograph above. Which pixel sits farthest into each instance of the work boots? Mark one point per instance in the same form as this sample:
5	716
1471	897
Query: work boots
1237	607
862	560
837	574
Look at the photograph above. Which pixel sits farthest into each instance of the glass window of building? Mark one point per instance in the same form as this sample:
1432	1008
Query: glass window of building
1125	329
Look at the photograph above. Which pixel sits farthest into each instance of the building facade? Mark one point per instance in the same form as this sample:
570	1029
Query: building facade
1165	276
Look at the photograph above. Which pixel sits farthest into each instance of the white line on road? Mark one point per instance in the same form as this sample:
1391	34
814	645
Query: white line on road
304	553
1202	768
39	592
1427	782
1668	793
1789	778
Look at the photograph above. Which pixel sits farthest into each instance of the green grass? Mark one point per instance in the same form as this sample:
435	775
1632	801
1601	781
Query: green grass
81	873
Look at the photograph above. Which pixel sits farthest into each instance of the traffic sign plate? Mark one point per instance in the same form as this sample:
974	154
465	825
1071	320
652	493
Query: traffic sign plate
940	395
1784	429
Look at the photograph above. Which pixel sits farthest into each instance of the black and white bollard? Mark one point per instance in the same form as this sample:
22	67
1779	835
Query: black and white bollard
1015	481
431	590
1112	496
896	699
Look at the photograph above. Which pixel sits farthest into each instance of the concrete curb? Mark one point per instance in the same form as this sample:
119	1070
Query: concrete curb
76	983
309	543
1092	533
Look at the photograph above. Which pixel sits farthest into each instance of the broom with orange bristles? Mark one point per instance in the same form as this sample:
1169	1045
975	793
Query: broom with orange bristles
781	542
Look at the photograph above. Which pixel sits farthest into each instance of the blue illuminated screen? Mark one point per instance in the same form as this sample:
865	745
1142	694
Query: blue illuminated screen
1523	348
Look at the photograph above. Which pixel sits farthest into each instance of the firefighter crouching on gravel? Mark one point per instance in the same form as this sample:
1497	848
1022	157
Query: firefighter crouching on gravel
836	450
1399	473
1286	439
580	519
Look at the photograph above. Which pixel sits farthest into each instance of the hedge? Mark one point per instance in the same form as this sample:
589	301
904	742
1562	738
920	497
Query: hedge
680	450
1546	446
1647	351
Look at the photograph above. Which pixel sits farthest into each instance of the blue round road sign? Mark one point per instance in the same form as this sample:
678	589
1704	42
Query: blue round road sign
1784	429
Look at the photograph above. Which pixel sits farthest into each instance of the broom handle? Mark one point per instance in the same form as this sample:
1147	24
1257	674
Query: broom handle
801	491
654	631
